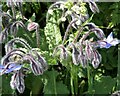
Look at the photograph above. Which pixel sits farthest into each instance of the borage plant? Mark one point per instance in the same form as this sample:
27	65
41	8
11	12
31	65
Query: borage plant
72	52
19	60
84	40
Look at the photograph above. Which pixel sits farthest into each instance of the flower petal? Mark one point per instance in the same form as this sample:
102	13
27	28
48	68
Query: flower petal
114	42
110	37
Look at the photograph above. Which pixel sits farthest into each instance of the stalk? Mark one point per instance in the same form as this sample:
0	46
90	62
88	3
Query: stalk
90	79
78	34
13	10
71	80
118	73
37	37
67	30
76	80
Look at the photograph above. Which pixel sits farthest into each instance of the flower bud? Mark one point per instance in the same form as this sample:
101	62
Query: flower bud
99	33
75	54
36	68
13	81
42	62
14	2
93	6
35	65
17	82
20	82
32	26
82	58
96	59
89	51
91	25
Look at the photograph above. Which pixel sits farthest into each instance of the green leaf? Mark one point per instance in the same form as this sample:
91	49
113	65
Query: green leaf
104	84
52	86
5	85
52	32
34	83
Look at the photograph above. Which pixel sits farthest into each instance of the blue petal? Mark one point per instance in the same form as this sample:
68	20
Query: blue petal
2	66
108	45
14	68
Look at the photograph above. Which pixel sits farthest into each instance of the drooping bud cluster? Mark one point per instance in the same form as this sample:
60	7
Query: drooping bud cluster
14	62
84	50
14	2
76	10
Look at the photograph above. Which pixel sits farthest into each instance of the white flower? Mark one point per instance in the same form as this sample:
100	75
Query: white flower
108	42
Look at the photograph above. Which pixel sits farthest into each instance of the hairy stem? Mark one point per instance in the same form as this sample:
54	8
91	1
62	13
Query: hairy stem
37	37
78	34
67	30
13	11
71	80
90	79
118	73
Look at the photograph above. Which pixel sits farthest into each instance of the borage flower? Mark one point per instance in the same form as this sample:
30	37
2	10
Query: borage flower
82	57
63	52
108	42
75	54
96	59
10	67
17	81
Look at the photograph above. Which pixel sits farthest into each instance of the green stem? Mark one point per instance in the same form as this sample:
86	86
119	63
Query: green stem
72	87
90	79
71	81
76	80
118	73
13	11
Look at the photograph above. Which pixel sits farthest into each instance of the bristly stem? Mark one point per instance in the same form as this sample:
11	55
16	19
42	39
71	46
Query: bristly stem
118	71
13	10
90	79
71	80
67	30
37	37
78	34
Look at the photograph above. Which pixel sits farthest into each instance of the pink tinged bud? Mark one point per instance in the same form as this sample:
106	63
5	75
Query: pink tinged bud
20	82
32	26
75	56
89	51
14	2
9	3
93	7
17	2
36	68
82	57
3	36
17	82
13	81
42	62
91	25
97	59
63	54
83	60
99	33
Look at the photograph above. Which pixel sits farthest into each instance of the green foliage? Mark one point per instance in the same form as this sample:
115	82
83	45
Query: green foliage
52	31
5	85
51	86
104	85
56	80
